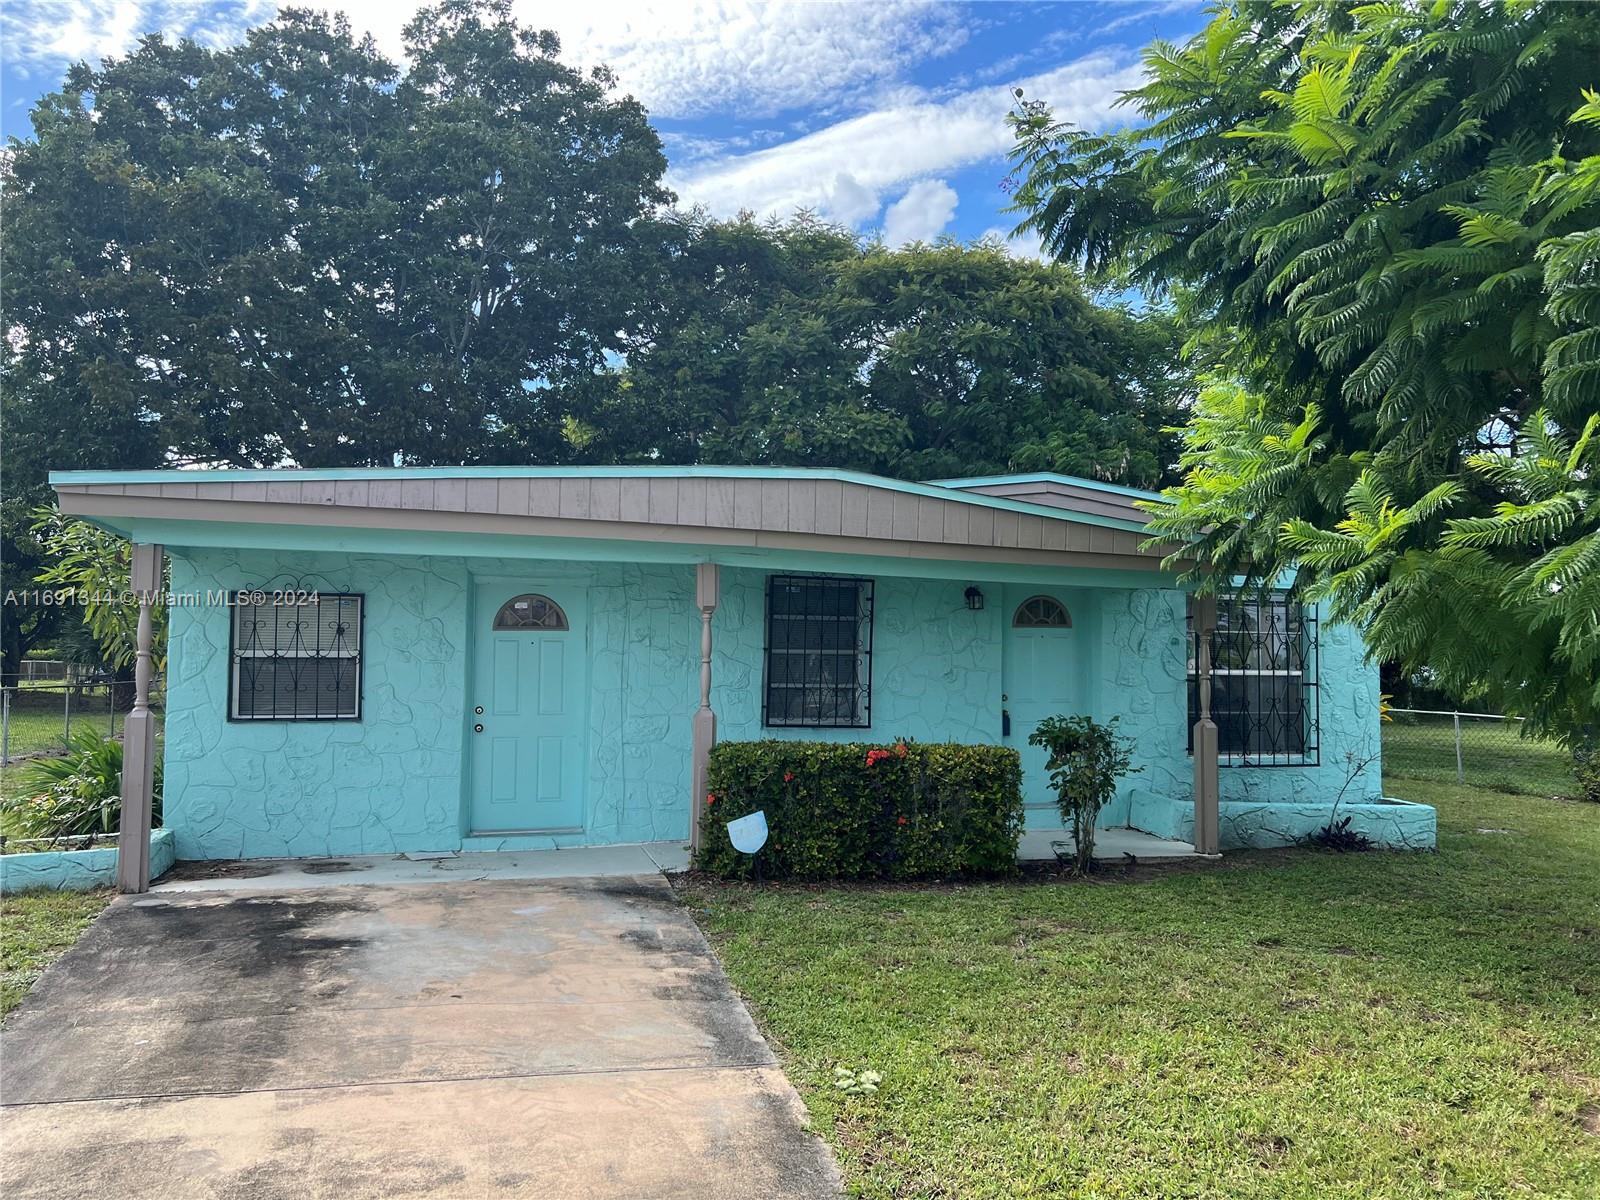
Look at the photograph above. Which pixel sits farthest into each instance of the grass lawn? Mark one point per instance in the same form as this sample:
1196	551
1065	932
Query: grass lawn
35	929
39	729
1290	1024
1492	756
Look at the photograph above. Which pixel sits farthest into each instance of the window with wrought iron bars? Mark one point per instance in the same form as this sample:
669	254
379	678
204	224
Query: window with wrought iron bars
1264	694
296	658
818	652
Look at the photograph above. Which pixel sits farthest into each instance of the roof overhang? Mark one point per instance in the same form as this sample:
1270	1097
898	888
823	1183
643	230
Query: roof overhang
687	514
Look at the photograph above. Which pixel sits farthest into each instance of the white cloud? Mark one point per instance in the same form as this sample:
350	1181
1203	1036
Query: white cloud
921	214
1136	12
893	147
43	36
679	58
1026	245
684	58
846	200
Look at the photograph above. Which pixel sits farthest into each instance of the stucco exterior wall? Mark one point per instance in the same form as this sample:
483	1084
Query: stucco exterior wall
935	664
396	780
1147	686
77	870
389	782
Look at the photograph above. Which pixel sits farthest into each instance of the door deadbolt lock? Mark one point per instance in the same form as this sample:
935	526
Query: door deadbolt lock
479	710
477	729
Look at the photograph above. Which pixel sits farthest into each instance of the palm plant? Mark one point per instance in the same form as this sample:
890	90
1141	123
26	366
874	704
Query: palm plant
75	794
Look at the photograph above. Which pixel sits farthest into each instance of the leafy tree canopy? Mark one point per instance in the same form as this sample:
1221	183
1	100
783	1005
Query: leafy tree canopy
1384	221
288	251
794	344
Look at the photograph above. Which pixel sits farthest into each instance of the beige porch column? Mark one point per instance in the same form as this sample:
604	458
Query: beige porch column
707	589
139	734
1205	731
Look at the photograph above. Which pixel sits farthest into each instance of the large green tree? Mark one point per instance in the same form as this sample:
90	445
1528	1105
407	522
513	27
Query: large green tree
1384	223
287	250
795	344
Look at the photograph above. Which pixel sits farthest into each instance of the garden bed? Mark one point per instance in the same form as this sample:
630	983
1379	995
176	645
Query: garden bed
80	869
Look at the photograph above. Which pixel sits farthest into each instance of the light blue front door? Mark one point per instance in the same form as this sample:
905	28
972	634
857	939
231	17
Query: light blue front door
1039	674
526	727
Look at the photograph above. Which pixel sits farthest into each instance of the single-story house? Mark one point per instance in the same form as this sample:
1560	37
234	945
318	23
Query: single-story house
437	659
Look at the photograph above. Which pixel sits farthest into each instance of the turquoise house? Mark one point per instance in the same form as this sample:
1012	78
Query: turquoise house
438	659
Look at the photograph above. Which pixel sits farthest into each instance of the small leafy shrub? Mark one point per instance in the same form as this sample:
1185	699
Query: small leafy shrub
77	793
847	810
1337	835
1587	770
1086	760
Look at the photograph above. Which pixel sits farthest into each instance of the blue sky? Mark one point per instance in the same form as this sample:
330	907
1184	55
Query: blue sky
887	116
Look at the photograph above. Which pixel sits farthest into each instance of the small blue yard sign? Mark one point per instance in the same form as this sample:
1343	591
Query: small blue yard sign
748	834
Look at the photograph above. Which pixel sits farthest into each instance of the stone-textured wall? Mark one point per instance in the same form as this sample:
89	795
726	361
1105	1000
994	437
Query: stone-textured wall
1147	686
389	782
77	870
1268	824
394	780
644	639
935	664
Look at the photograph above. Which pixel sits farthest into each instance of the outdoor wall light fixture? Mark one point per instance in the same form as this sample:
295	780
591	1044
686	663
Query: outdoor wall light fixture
974	599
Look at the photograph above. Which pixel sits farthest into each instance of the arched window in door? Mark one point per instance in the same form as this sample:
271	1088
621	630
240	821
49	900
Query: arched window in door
530	612
1041	612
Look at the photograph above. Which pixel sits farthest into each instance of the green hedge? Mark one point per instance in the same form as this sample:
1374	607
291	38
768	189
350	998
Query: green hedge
918	811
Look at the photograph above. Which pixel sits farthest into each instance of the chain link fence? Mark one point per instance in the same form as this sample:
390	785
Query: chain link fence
1474	748
39	717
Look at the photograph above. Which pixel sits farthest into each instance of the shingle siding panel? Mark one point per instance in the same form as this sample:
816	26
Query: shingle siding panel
574	498
544	498
605	499
635	500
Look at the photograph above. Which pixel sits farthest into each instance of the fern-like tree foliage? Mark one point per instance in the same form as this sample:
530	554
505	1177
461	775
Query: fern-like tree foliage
1383	224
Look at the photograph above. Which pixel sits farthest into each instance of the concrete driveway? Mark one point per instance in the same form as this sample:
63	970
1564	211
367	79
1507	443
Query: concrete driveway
533	1038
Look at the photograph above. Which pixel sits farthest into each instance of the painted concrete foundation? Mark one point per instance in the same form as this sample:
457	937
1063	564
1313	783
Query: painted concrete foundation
78	870
399	779
1247	824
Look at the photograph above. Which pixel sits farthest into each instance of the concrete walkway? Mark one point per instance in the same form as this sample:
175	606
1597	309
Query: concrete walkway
1112	845
481	866
538	1038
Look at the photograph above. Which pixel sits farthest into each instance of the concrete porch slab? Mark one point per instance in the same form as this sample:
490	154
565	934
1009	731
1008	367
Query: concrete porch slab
392	870
1109	844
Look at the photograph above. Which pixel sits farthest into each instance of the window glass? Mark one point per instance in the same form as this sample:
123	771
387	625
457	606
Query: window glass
819	651
296	656
1263	680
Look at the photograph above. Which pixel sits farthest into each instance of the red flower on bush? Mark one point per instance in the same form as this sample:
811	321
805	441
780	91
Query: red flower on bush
876	756
788	776
902	820
710	799
900	749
